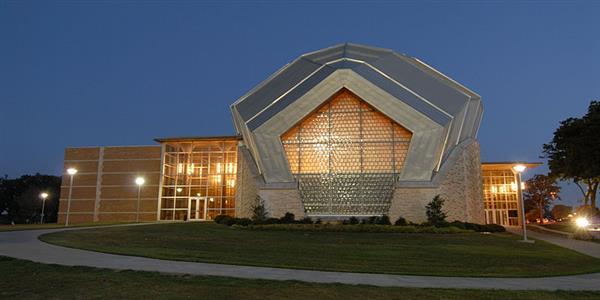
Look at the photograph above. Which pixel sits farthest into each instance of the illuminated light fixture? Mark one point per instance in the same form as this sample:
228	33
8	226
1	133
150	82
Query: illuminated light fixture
43	196
198	194
519	168
140	181
190	169
494	189
219	168
212	199
232	182
179	168
179	190
71	172
522	185
513	186
582	222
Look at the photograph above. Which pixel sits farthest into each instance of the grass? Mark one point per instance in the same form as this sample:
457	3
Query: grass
18	227
462	254
30	280
564	227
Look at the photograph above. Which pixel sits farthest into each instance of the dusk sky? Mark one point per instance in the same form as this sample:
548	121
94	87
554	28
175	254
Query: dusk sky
89	73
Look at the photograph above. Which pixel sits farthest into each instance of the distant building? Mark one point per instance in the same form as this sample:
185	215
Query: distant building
345	131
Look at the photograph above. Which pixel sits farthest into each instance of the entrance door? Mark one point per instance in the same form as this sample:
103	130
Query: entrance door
497	216
197	209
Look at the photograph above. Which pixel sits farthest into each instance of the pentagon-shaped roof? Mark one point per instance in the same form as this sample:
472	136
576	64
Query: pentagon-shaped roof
402	87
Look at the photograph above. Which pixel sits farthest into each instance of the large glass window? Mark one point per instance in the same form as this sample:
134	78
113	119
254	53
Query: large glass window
198	169
500	196
346	156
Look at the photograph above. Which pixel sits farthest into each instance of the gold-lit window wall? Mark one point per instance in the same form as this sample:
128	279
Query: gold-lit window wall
198	169
501	199
346	156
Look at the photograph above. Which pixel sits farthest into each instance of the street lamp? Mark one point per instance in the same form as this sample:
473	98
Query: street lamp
139	181
517	170
43	196
71	172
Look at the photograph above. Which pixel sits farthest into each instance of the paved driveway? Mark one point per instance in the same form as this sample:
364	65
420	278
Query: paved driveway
26	245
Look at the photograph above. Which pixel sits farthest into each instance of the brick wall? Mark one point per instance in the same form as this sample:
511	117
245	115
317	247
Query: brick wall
104	187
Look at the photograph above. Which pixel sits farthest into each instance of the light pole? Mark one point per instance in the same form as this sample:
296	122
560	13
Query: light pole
517	170
71	172
139	181
43	196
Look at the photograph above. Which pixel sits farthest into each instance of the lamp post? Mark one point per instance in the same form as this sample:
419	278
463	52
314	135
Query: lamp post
43	196
517	170
139	181
71	172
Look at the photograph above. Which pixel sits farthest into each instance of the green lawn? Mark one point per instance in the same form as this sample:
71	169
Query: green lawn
18	227
30	280
564	227
468	254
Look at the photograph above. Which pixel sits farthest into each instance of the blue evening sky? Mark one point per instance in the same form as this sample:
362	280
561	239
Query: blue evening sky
85	73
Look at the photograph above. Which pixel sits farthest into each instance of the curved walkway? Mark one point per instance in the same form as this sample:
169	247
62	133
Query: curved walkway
26	245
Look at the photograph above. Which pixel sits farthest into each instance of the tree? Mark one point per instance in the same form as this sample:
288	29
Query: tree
20	197
259	212
560	211
541	190
574	152
435	215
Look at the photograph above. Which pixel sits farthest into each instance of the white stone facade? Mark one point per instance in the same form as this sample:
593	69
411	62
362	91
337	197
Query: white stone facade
460	184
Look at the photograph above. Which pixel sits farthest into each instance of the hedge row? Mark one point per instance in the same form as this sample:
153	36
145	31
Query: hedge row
355	228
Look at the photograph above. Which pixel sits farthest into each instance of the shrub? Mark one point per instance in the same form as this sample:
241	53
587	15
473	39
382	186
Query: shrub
435	215
306	220
384	220
458	224
271	221
318	221
259	212
494	228
353	221
288	218
377	220
400	222
477	227
242	221
224	220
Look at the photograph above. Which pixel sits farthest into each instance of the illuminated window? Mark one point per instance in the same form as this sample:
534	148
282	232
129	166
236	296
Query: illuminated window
202	170
346	156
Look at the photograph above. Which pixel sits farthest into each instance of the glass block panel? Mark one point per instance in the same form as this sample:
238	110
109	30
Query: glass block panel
346	156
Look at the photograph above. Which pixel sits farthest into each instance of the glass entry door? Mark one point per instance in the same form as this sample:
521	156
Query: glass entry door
197	209
497	216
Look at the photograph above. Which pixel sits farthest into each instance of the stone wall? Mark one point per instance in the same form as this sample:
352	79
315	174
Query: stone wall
278	201
247	182
458	182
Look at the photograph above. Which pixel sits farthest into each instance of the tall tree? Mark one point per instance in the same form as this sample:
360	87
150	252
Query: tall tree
574	152
541	190
560	211
20	197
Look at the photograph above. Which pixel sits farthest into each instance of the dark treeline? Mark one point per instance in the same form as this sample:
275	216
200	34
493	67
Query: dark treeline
20	200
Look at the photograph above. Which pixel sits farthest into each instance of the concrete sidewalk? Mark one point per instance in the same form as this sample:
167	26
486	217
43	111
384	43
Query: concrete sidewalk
26	245
585	247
